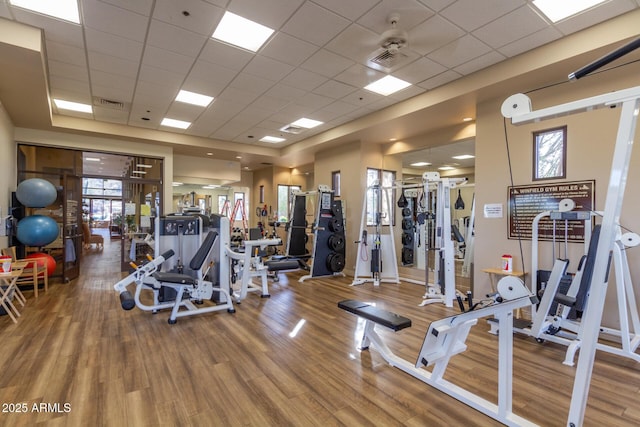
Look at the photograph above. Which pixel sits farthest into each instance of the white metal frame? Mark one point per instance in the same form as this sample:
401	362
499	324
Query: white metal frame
389	273
518	109
445	249
445	339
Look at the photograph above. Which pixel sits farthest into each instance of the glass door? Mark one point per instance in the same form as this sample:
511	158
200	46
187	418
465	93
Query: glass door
72	220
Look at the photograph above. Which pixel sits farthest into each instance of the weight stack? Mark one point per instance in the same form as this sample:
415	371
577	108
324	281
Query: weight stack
408	234
329	253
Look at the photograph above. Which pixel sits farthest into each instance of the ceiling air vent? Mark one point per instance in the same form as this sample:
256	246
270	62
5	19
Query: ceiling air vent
292	129
109	103
388	60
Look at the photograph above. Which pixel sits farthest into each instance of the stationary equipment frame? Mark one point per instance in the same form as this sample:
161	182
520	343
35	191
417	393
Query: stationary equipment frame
518	109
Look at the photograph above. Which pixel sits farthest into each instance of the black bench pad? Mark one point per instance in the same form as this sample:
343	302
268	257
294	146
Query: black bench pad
177	278
375	314
285	264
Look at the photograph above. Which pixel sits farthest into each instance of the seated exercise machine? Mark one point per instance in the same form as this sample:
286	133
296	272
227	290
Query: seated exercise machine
249	265
188	290
446	338
518	108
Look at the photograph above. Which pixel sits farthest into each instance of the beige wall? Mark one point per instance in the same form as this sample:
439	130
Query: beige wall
591	138
7	167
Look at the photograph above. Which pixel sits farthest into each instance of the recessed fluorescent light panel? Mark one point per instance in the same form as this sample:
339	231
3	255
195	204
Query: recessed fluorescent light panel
92	159
175	123
73	106
177	184
241	32
272	139
446	168
140	165
306	123
557	10
464	157
387	85
194	98
139	172
418	164
61	9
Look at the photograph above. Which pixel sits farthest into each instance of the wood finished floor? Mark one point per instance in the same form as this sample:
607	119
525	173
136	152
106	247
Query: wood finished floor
75	345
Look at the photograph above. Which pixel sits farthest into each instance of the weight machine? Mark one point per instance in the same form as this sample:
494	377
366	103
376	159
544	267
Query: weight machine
439	239
378	264
558	317
518	108
327	229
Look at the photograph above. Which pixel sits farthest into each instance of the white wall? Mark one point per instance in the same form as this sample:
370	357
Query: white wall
7	166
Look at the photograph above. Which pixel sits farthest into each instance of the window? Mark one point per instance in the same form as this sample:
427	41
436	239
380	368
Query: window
335	183
284	200
223	208
550	154
241	207
380	200
101	187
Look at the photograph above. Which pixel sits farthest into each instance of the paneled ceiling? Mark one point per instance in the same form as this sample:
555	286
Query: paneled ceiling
130	58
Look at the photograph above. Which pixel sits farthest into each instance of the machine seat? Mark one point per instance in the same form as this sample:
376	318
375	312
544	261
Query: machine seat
177	278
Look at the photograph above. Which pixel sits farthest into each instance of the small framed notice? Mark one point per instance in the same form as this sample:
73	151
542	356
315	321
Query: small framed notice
493	210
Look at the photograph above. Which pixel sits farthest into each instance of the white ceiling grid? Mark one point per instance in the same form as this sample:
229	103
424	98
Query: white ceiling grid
141	53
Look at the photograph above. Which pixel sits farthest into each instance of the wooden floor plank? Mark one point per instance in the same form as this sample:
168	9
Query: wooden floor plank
75	345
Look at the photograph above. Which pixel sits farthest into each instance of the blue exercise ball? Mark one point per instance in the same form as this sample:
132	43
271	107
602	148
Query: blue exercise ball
37	230
36	193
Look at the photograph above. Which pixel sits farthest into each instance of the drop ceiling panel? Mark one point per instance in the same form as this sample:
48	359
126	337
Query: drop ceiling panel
314	101
437	5
462	50
327	63
122	92
72	71
517	23
270	103
184	111
170	80
544	36
208	79
167	60
269	13
334	89
479	63
204	128
268	68
123	67
440	79
66	53
285	92
406	93
114	20
251	83
111	116
65	83
201	17
175	39
356	42
288	49
351	10
303	79
225	55
142	7
70	95
362	97
472	14
410	13
315	24
359	76
113	45
419	70
238	95
432	34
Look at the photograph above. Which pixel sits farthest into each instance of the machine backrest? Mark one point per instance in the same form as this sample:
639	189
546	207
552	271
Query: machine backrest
587	274
203	251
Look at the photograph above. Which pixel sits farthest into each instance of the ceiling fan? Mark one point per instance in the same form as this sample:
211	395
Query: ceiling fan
392	48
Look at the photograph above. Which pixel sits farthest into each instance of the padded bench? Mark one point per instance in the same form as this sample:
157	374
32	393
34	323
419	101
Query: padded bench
382	317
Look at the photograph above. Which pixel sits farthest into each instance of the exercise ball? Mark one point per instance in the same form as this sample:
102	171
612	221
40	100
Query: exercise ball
37	230
36	193
48	260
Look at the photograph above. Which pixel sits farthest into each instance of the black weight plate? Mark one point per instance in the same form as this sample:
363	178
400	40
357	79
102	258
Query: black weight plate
335	262
335	225
406	211
407	224
336	242
407	239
